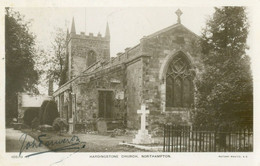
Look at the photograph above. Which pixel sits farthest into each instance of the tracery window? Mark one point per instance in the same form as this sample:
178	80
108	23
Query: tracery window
91	58
179	86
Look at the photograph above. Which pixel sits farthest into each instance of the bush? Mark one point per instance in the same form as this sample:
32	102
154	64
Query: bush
42	109
50	113
19	126
35	123
60	124
29	115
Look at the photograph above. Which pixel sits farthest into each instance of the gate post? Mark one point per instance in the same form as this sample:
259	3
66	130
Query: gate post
164	135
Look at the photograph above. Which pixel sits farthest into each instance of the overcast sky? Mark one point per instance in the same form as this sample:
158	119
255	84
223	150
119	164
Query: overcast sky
127	25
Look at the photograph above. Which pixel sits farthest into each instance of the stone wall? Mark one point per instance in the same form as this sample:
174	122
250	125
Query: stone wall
161	48
86	90
134	78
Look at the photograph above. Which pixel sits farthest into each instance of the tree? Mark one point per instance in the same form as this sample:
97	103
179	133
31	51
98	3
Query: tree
224	89
59	50
58	53
51	62
50	113
21	75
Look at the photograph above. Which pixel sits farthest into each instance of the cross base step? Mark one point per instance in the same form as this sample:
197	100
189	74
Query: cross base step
142	137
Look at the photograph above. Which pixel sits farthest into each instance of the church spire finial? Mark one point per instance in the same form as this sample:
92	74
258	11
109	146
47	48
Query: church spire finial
73	29
178	13
107	35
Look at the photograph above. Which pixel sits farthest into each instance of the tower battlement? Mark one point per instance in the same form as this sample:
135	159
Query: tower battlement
82	35
90	36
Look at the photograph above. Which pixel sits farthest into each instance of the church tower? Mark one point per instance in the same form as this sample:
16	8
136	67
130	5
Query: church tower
83	51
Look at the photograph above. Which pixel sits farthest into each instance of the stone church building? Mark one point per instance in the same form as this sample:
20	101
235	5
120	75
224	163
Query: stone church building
159	72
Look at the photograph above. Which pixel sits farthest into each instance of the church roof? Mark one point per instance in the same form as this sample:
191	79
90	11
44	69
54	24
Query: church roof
170	28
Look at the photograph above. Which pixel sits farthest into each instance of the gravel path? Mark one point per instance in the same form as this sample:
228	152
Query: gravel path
14	141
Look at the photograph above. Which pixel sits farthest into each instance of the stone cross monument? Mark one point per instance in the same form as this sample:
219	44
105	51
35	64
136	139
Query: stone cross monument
142	137
143	113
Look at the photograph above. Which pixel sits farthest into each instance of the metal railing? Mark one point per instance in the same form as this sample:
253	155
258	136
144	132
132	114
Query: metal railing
188	139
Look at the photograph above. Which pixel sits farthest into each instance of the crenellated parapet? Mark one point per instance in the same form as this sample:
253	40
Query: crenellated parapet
90	36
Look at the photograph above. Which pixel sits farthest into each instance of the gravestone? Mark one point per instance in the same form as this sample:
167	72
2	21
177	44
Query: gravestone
143	137
102	127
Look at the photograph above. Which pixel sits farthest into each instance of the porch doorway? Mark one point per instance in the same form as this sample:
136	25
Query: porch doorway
105	104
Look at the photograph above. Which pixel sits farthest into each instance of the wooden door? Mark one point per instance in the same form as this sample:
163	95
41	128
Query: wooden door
105	104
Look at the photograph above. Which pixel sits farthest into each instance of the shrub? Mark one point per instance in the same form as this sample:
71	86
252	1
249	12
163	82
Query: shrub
60	124
29	115
50	113
42	109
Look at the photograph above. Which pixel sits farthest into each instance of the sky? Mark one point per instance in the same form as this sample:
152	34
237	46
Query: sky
127	25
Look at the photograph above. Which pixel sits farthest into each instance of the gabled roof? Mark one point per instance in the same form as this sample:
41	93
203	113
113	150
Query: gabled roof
170	28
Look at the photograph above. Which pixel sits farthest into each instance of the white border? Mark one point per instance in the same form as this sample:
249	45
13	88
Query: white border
176	158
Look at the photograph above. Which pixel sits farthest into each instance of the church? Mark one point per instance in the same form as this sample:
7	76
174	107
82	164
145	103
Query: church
158	72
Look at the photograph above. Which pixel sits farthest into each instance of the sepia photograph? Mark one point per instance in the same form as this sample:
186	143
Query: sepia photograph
128	79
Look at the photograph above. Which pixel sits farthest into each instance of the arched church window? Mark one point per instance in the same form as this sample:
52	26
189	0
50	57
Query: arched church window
179	86
91	58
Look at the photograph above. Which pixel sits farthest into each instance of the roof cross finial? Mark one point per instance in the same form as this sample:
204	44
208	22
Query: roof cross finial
179	13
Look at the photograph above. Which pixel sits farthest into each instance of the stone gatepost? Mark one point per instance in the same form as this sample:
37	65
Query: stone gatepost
71	126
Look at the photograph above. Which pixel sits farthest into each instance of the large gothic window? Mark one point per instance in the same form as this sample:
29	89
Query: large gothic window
91	58
179	86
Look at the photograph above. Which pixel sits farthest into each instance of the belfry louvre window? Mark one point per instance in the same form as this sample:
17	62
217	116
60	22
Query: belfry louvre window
179	86
91	58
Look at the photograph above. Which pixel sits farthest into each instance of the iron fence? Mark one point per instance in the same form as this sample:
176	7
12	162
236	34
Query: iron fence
188	139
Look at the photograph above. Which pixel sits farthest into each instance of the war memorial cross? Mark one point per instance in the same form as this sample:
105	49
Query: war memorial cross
143	113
